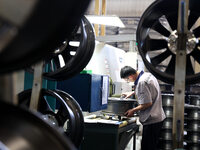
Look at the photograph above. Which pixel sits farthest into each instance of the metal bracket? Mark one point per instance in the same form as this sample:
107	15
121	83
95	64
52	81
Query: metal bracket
180	73
37	86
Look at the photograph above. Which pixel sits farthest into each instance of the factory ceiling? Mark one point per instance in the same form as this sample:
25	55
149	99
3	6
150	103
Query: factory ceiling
129	12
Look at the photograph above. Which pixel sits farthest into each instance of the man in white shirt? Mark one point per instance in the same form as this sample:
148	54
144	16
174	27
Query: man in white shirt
151	114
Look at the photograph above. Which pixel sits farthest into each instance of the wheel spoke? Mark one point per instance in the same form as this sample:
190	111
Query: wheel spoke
190	70
196	54
197	32
194	5
66	56
44	107
172	20
161	29
171	66
192	19
159	58
61	116
72	48
157	44
77	37
56	62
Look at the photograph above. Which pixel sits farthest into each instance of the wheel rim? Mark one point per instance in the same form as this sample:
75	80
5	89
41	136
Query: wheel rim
44	29
78	116
75	58
160	19
64	112
29	128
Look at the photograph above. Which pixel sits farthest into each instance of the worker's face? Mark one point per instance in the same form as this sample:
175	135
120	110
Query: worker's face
130	78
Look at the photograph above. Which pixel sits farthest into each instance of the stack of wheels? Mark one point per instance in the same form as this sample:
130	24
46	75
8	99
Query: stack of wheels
157	39
26	38
75	53
165	142
67	115
191	122
192	125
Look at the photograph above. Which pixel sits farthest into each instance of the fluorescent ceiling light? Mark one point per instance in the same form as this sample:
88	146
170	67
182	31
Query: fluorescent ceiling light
106	20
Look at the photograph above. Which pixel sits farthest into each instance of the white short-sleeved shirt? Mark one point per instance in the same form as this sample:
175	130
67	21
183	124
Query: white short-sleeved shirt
148	90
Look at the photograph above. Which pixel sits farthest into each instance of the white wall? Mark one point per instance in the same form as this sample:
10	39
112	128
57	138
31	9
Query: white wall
107	60
131	59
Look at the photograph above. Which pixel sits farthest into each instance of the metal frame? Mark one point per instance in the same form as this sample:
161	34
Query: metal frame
180	74
37	86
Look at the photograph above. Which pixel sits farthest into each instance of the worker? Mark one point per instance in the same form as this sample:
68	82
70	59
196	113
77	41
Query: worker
151	114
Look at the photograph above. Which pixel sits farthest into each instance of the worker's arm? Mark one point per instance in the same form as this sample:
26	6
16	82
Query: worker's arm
128	94
130	112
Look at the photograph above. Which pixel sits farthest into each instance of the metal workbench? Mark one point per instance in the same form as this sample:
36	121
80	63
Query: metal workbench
102	136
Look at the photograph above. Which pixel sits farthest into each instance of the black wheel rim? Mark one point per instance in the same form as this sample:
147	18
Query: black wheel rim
44	30
63	114
78	117
160	19
76	62
29	128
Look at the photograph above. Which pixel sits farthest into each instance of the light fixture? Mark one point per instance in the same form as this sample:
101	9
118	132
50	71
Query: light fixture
106	20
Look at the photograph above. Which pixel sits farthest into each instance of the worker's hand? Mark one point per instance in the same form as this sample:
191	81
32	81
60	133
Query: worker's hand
127	94
130	112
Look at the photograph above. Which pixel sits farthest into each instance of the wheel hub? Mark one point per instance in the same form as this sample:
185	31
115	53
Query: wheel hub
190	45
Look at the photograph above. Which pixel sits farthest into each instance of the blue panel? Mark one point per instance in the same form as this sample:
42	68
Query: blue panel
79	87
96	93
86	89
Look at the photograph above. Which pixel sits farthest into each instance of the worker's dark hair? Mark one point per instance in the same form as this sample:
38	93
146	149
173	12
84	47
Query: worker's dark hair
127	71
